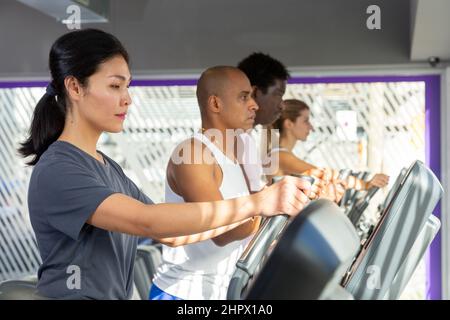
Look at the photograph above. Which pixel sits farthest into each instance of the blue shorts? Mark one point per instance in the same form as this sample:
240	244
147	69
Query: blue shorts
157	294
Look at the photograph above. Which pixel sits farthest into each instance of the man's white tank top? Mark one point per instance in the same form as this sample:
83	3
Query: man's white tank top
278	149
203	270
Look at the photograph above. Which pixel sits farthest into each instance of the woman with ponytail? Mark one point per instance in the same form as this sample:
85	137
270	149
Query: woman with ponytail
294	125
86	214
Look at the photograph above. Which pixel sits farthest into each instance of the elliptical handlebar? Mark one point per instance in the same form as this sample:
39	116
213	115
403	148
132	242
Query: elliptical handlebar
256	249
357	210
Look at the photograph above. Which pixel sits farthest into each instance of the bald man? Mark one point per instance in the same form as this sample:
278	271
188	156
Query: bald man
209	171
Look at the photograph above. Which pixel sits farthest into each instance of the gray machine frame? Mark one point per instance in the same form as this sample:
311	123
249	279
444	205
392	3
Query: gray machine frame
388	252
381	265
294	263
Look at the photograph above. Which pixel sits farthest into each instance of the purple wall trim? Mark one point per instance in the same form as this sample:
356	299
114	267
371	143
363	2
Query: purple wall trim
360	79
432	140
433	160
22	84
193	81
167	82
139	83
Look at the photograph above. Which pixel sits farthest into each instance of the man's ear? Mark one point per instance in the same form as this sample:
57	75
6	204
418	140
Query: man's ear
73	88
214	104
288	123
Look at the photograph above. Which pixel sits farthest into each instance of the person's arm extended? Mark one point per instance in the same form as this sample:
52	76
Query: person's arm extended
355	183
379	180
198	183
121	213
197	237
290	164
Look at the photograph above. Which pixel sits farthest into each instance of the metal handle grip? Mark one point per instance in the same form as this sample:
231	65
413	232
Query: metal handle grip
256	249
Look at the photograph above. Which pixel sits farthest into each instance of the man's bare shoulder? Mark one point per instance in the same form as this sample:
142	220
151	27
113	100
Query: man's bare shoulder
189	172
191	151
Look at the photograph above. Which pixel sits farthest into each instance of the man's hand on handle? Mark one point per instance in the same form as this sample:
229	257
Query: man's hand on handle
288	196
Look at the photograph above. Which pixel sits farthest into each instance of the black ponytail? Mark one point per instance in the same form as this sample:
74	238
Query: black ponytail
77	54
46	126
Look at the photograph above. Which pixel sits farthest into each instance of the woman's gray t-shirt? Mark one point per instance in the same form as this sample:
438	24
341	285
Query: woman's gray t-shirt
79	261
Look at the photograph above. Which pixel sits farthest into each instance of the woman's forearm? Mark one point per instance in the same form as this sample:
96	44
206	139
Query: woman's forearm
181	219
183	240
121	213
